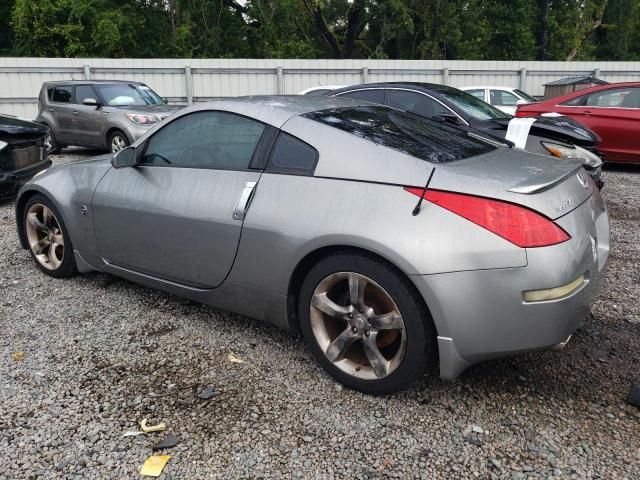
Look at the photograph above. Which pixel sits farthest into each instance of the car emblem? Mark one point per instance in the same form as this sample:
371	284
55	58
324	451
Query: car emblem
582	180
594	248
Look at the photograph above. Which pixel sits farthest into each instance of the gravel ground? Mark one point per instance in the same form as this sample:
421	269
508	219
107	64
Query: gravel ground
101	354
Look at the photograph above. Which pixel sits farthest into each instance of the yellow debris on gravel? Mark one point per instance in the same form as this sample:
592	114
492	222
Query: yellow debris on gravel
154	465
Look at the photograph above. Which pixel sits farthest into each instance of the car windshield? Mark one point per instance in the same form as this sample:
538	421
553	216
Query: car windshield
473	106
123	94
406	132
526	96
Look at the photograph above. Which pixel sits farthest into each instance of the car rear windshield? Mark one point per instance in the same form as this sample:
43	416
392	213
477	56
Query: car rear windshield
123	94
403	131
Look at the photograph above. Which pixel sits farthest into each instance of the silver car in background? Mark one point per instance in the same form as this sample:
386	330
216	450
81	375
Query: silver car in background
391	241
99	114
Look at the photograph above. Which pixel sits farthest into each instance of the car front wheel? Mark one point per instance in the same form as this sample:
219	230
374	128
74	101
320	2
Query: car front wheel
118	141
365	323
48	239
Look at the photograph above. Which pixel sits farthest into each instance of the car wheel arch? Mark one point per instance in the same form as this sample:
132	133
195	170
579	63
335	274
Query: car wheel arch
305	264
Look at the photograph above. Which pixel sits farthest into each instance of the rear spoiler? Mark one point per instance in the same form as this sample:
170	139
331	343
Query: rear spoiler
542	180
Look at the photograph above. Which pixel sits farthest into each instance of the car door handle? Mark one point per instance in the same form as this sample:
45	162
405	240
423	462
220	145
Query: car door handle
586	112
75	112
50	109
243	202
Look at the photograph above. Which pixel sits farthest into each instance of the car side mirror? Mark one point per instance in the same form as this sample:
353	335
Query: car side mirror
124	158
91	102
450	118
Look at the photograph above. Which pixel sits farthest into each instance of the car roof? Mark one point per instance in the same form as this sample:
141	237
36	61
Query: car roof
494	87
276	109
91	82
432	87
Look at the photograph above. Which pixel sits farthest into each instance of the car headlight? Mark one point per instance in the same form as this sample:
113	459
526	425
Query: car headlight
3	145
576	153
143	119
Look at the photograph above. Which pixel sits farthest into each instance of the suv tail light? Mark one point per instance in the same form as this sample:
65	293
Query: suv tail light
519	225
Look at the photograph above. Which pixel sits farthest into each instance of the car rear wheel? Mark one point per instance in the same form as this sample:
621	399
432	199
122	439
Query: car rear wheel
50	144
365	323
118	141
48	239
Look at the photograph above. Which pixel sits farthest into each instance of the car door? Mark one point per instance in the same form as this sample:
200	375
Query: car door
614	114
178	214
88	120
61	108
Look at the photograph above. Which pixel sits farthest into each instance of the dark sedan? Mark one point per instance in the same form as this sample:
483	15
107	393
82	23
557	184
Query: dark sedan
560	137
22	153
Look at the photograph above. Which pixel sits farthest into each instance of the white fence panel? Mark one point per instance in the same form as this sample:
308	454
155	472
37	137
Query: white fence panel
193	80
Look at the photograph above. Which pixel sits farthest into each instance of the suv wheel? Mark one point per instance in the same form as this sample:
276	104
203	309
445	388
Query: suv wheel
50	144
118	141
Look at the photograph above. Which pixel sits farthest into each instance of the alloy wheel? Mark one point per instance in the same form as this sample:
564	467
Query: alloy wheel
45	236
357	325
47	143
117	143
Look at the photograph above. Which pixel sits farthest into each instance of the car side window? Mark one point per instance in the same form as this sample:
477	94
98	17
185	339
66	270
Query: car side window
84	91
614	98
370	95
477	92
293	156
211	139
62	94
416	103
502	98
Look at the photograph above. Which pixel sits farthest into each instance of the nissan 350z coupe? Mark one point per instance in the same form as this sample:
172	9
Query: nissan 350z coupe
392	242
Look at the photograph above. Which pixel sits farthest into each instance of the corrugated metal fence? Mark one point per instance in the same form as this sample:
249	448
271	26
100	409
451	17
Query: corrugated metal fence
194	80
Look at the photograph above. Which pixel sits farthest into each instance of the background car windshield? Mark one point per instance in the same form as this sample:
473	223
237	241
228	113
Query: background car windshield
403	131
126	94
473	106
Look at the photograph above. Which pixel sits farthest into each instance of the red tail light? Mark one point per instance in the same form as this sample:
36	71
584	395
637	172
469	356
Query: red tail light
519	225
520	113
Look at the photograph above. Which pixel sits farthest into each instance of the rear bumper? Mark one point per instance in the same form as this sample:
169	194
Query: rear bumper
10	182
482	314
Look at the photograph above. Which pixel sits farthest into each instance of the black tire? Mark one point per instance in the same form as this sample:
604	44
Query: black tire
53	148
117	134
67	267
421	348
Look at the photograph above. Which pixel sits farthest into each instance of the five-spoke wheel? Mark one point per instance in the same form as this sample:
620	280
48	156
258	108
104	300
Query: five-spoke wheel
365	323
47	238
357	325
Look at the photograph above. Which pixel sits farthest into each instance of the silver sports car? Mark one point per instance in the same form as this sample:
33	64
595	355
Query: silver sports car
392	242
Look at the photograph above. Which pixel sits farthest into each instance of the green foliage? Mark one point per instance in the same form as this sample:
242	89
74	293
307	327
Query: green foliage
393	29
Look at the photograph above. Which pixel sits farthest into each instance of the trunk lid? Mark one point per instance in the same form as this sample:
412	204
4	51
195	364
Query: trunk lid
546	185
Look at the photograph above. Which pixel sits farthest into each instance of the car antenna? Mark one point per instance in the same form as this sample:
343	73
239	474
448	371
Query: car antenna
416	210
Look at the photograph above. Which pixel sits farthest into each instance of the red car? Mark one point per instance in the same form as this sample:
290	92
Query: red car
612	111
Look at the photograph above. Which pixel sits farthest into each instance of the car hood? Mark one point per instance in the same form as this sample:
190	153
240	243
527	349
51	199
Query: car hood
160	110
560	128
13	126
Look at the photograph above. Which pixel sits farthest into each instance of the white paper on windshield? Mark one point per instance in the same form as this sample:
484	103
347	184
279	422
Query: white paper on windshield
518	131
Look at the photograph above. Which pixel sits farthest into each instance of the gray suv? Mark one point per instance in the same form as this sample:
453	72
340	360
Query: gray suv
98	114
